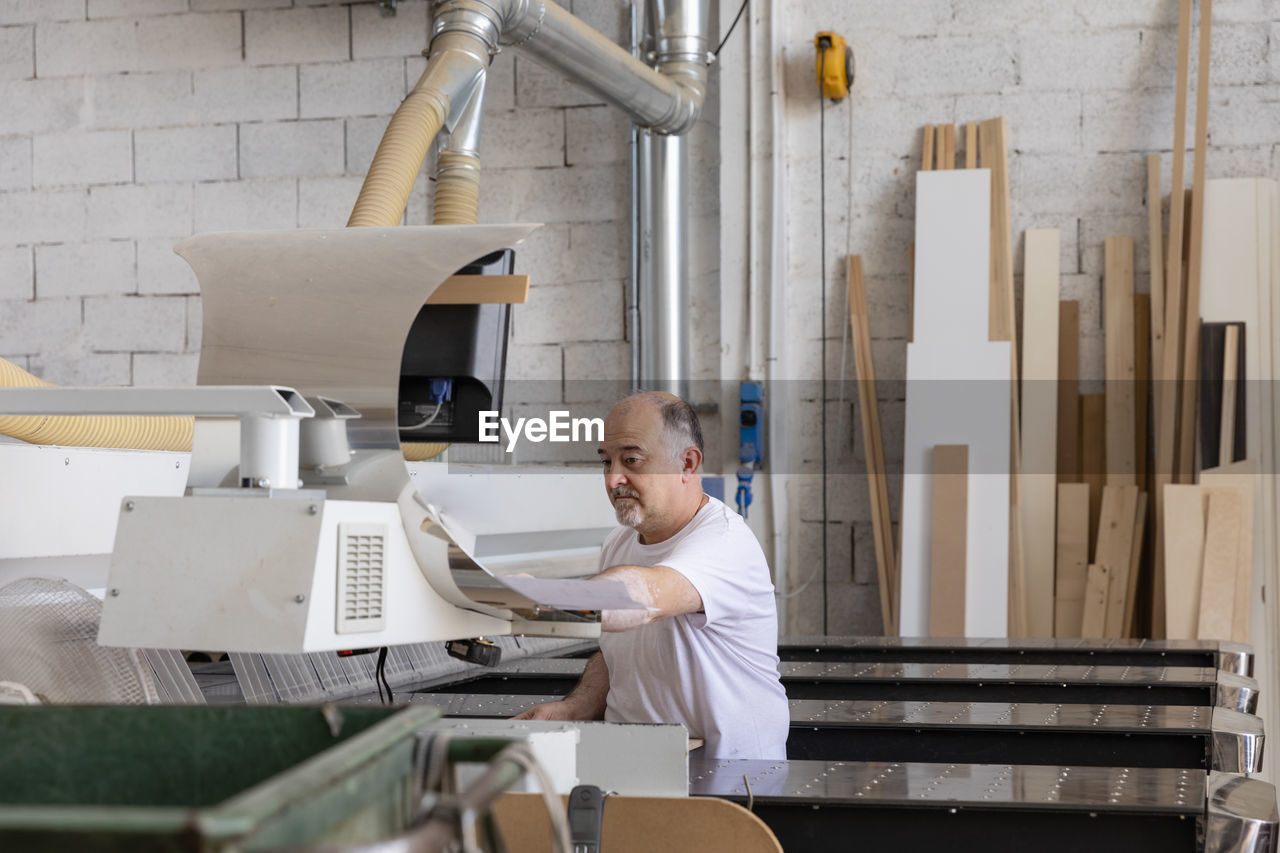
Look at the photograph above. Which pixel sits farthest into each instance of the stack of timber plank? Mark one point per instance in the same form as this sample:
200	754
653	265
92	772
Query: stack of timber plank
1146	510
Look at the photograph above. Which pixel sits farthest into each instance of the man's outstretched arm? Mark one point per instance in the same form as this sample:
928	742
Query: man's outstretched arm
661	589
585	702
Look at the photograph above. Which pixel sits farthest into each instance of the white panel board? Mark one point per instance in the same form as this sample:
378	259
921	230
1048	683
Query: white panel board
1240	271
957	393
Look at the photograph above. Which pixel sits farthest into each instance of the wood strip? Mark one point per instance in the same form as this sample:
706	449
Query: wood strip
481	290
1094	616
1135	565
1068	464
1167	420
1093	445
951	146
1141	385
1121	416
1072	558
873	450
1115	549
1190	344
971	145
1218	572
1155	240
993	154
947	541
926	162
1184	549
1039	424
1227	433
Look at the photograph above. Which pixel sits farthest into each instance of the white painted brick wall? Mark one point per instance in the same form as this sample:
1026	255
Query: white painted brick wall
78	269
292	148
185	153
17	53
150	210
97	157
289	36
16	273
15	163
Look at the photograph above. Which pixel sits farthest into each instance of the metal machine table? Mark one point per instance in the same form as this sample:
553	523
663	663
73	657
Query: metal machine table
812	805
988	732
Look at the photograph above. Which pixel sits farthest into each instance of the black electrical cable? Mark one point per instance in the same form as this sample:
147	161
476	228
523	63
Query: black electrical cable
382	676
741	9
822	317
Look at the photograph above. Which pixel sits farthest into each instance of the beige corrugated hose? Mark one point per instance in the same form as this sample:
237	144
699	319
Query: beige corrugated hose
457	189
399	157
124	432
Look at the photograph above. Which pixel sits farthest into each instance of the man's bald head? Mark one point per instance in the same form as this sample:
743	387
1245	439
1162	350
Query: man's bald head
680	422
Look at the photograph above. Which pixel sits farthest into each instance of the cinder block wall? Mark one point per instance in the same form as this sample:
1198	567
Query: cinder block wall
1087	87
126	125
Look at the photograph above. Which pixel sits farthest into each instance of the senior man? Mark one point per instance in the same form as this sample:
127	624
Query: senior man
706	652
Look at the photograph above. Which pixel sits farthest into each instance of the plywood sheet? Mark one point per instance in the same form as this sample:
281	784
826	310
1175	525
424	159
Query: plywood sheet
1072	558
1218	571
1242	478
1121	414
1116	527
1039	424
949	509
1184	557
1094	618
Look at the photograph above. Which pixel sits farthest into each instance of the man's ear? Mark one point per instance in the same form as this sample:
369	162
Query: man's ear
690	462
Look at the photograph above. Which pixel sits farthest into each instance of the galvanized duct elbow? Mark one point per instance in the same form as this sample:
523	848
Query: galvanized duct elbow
455	69
667	102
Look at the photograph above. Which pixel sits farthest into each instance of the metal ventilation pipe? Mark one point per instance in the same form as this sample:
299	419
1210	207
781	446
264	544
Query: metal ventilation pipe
677	42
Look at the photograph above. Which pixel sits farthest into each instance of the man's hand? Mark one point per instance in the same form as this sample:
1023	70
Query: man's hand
560	710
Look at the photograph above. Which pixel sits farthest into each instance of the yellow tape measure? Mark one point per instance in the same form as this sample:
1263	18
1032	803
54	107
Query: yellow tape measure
834	65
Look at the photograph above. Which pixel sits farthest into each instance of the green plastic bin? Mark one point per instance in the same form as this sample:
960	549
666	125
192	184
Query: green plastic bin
209	778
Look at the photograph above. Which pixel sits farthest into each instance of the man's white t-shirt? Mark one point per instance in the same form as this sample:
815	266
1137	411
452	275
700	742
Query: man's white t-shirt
716	671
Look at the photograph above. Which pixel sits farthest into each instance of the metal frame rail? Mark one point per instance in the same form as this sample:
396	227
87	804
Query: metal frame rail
1235	658
945	682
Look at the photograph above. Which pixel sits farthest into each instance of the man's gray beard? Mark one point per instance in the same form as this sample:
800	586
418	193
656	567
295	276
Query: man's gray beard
629	514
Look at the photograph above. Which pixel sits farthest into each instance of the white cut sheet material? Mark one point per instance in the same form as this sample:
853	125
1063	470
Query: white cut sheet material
957	393
548	592
1039	481
575	594
1240	270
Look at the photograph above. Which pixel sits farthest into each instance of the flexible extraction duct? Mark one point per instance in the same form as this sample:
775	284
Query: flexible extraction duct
127	433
